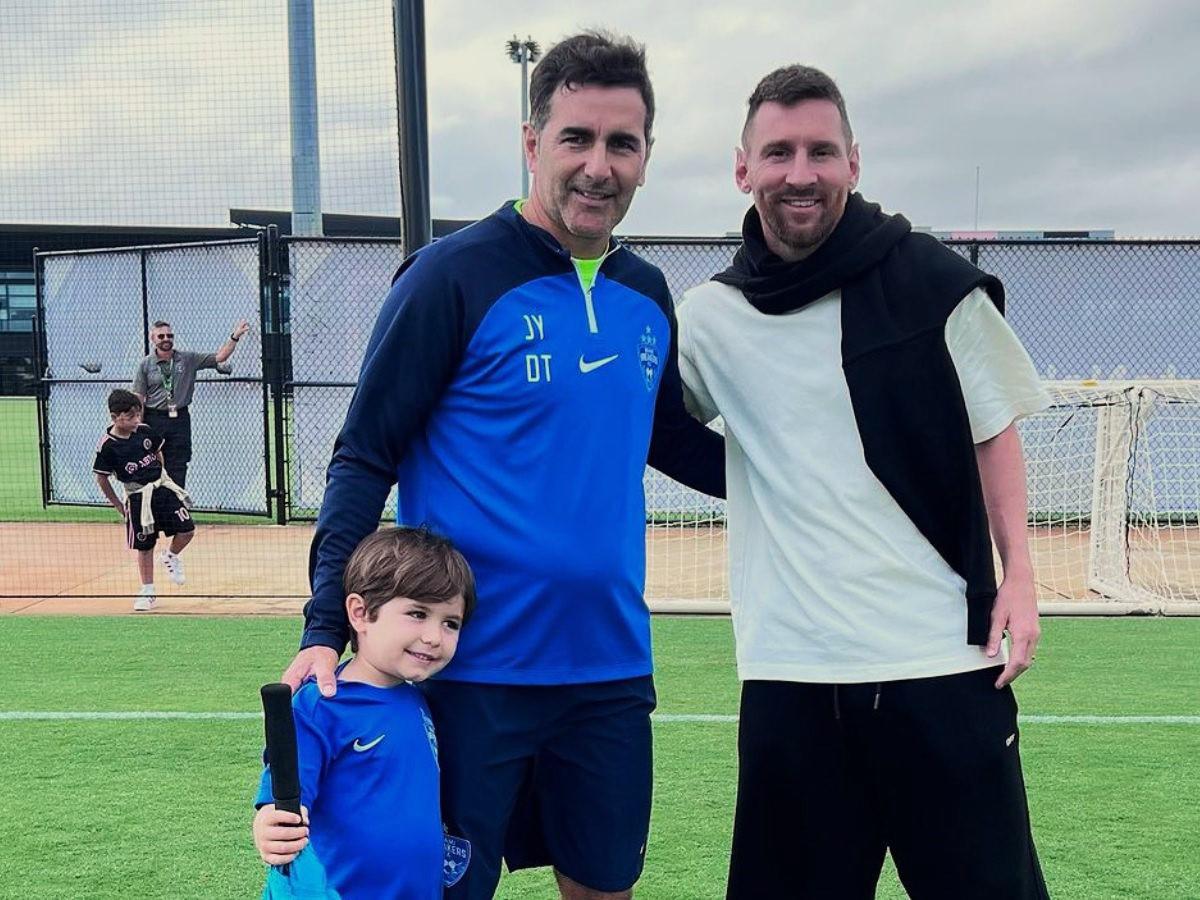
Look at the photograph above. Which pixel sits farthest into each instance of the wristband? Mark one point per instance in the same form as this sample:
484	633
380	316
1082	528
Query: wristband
234	339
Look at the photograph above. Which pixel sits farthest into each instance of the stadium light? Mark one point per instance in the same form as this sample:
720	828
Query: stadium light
523	52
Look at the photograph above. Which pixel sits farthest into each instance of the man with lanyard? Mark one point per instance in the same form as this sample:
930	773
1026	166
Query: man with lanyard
165	381
520	374
870	389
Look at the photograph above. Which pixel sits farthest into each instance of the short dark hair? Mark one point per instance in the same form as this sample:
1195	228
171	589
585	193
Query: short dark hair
790	85
160	324
593	57
122	401
408	562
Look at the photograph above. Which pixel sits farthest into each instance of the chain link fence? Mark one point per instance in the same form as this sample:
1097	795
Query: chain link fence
264	428
1102	310
334	290
96	310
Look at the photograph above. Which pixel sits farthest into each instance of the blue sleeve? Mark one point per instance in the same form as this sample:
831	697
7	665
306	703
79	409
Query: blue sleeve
264	795
413	353
681	447
312	753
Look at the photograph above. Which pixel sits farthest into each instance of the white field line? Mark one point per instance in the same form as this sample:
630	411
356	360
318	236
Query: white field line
666	718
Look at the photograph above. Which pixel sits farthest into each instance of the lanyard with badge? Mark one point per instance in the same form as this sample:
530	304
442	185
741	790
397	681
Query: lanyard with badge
168	379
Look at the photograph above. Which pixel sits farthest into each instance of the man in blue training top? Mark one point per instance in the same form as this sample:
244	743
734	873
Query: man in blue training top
521	374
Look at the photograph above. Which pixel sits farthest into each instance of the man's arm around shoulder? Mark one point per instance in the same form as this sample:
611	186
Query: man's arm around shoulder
411	357
681	447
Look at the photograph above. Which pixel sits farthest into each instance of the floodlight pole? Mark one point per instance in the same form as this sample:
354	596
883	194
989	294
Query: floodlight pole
416	224
523	52
302	92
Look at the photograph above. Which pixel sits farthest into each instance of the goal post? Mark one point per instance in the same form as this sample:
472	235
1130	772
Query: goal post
1130	450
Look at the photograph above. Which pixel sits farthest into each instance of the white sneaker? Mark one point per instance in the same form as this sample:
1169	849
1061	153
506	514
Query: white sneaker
174	567
145	600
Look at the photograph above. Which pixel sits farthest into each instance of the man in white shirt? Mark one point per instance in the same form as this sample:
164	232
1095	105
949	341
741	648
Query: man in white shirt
870	390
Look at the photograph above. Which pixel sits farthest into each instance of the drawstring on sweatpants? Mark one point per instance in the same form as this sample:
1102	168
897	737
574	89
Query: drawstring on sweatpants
837	699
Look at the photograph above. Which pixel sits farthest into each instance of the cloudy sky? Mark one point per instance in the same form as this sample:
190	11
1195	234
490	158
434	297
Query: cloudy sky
1077	114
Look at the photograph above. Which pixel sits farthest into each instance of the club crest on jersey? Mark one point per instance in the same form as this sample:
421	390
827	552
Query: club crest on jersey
430	734
455	859
146	443
648	357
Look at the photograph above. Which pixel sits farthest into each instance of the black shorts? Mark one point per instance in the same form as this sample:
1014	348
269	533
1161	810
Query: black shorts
833	776
546	775
170	517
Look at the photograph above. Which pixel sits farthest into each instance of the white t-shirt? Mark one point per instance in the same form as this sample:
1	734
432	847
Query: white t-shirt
829	580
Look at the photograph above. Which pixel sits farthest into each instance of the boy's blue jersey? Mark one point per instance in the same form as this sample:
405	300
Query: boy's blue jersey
369	777
514	409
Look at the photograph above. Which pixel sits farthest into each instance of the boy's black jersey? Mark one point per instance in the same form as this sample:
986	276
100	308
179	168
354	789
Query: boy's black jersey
132	459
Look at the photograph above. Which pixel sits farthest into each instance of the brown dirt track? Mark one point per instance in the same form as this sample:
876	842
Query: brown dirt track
84	569
79	569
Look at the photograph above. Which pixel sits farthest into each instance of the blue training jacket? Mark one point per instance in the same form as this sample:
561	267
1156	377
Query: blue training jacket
515	411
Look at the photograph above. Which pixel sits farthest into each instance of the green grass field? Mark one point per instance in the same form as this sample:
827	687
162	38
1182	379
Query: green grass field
144	807
20	471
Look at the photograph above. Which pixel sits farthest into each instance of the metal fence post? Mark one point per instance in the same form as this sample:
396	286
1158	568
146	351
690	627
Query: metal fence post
273	277
266	329
145	305
41	365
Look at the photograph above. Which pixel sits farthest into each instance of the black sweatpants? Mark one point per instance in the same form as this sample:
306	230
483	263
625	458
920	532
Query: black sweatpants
177	435
833	776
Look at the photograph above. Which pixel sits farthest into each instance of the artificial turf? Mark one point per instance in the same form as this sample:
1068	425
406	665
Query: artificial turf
160	807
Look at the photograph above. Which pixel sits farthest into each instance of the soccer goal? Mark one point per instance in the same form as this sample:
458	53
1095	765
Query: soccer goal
1113	471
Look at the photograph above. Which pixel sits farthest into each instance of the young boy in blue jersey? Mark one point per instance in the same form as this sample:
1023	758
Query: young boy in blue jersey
368	758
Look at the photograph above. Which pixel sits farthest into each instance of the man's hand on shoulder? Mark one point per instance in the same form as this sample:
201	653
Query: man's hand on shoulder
317	661
1016	612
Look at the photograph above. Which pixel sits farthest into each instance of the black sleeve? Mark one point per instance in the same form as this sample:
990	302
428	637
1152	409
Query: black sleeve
413	353
681	447
103	463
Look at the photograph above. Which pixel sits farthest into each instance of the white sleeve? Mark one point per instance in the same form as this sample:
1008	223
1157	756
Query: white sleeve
695	395
999	382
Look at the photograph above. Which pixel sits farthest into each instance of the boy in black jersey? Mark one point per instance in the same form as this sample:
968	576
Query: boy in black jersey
131	452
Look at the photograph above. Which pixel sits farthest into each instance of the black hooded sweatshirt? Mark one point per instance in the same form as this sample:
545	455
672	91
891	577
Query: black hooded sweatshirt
898	289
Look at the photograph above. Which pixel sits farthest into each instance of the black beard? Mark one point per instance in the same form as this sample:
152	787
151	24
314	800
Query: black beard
778	227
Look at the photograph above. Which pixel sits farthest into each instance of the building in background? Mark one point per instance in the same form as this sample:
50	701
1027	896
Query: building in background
18	243
1095	234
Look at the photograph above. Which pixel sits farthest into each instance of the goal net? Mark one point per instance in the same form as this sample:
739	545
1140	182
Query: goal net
1114	494
1113	472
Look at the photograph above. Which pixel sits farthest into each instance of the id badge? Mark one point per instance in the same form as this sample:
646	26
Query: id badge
172	412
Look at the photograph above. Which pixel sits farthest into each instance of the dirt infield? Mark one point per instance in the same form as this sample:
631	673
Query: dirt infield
78	569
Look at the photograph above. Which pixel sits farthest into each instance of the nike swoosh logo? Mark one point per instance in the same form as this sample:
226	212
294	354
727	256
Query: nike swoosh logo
585	366
363	748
